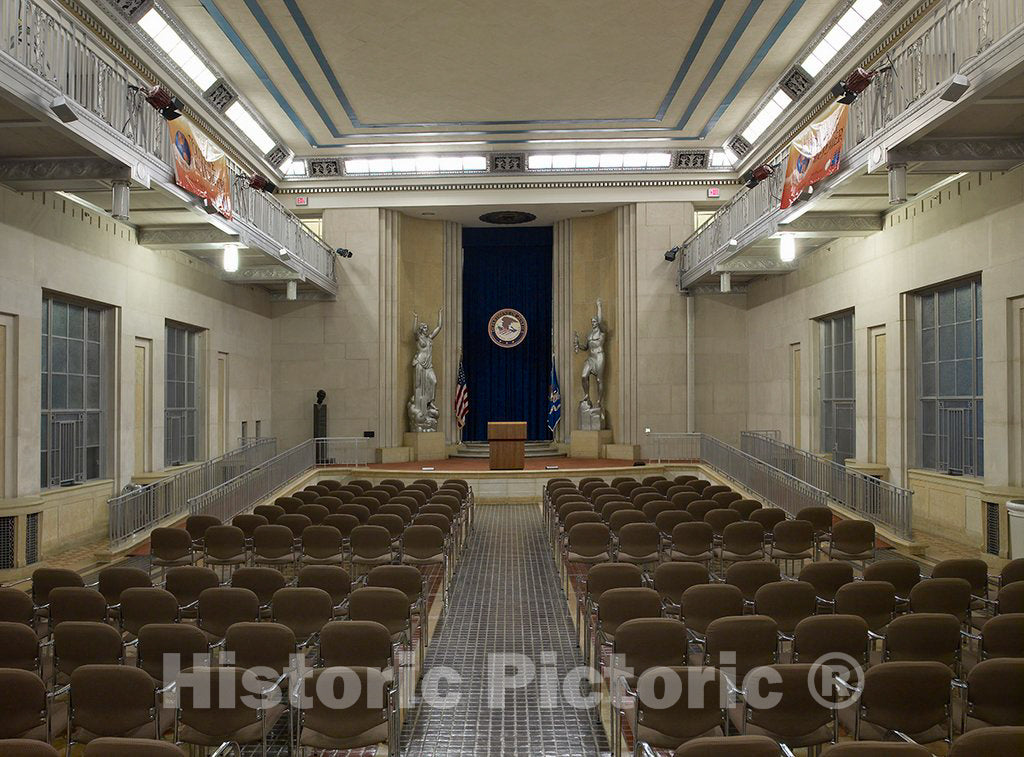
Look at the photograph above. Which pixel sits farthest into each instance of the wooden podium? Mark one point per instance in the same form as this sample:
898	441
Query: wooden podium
507	441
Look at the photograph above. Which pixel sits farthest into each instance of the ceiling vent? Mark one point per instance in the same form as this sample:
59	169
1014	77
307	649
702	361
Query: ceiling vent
324	167
796	82
278	155
508	217
508	162
132	10
739	146
692	160
220	95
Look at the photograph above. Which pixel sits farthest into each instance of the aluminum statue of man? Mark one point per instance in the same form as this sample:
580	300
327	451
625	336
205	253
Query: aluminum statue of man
591	409
422	410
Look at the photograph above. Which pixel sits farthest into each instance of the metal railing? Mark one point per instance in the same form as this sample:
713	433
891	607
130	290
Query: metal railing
141	509
955	37
246	490
60	50
767	482
869	497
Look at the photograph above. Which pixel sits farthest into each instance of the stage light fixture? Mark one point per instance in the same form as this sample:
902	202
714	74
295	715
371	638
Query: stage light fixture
755	176
62	109
857	81
670	256
163	100
343	252
787	247
231	257
262	183
284	254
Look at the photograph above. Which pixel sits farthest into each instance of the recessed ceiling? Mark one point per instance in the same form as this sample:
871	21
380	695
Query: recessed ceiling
325	74
546	215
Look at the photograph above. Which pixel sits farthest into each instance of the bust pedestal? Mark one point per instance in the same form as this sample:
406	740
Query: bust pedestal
426	445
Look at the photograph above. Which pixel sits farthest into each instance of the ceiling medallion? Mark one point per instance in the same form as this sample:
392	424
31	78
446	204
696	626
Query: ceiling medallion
507	217
507	328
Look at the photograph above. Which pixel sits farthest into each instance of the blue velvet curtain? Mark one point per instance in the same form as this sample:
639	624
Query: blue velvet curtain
506	268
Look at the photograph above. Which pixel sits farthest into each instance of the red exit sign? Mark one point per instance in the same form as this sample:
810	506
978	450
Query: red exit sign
301	201
714	192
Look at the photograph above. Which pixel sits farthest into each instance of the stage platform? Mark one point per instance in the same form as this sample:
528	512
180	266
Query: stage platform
462	464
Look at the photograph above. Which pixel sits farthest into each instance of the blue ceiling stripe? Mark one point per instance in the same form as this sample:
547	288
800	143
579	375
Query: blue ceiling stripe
321	59
258	69
289	61
762	51
691	54
723	54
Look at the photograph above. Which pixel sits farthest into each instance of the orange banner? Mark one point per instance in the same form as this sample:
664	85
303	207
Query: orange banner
199	166
814	154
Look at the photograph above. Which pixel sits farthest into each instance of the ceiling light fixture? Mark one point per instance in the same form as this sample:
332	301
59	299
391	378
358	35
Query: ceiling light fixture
231	257
787	247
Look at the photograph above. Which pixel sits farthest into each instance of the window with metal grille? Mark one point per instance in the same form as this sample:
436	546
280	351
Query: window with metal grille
181	395
72	428
7	536
31	538
992	528
951	424
838	388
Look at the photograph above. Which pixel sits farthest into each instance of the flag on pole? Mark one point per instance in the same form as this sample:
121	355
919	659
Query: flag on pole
554	399
461	397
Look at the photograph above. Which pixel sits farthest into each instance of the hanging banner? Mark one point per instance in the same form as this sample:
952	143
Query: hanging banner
199	166
815	153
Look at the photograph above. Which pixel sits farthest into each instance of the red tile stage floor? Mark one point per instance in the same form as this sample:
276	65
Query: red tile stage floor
456	464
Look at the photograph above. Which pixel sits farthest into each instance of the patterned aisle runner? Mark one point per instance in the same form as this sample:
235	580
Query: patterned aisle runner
506	600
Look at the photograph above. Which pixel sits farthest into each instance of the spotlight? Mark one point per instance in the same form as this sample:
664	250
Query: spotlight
231	257
284	254
671	254
62	109
755	176
342	252
787	247
734	242
262	183
163	100
858	80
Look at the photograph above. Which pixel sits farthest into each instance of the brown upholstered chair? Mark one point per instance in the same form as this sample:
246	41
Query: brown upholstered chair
875	601
78	643
995	694
187	582
16	606
671	579
796	715
224	546
948	595
159	642
248	522
322	545
274	545
702	604
729	746
270	512
333	579
698	712
226	713
904	575
923	636
170	547
71	603
221	606
112	700
143	605
911	697
692	542
989	741
19	647
792	541
370	720
262	582
750	576
787	603
305	610
852	540
25	705
352	643
827	577
742	642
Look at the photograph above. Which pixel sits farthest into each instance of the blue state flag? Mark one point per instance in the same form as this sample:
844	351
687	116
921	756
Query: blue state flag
554	399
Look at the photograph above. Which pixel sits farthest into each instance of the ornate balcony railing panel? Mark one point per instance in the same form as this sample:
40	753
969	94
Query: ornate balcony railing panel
56	55
978	38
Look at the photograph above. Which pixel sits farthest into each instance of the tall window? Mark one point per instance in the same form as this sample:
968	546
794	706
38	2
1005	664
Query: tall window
181	396
838	388
72	431
951	413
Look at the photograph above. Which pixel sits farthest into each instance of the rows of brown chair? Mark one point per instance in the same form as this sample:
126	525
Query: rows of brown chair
296	578
671	582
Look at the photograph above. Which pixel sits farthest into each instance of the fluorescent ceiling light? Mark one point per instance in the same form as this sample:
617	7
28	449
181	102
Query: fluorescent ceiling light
294	168
538	162
177	49
770	111
248	126
404	165
231	257
474	163
839	35
426	164
787	247
563	160
589	160
721	158
380	165
611	160
446	163
416	145
583	141
357	166
659	159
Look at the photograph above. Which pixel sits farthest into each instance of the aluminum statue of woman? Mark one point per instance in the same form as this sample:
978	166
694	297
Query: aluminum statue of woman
423	412
591	412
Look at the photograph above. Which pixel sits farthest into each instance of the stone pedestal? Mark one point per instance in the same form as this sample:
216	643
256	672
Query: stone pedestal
589	418
588	443
393	455
629	452
426	445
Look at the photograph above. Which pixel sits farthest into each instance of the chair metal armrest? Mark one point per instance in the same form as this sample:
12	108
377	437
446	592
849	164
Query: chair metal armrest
875	636
169	687
847	685
51	695
969	635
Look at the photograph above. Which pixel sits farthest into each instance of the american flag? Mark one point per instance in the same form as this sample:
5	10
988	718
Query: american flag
461	397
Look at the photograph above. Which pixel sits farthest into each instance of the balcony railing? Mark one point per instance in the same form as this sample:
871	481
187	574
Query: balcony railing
957	36
869	497
140	510
772	485
59	50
